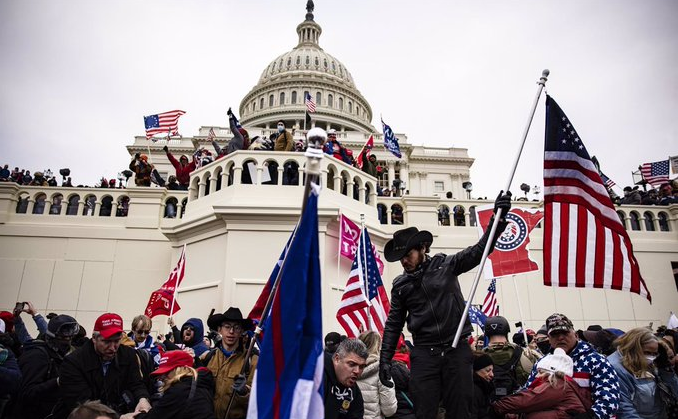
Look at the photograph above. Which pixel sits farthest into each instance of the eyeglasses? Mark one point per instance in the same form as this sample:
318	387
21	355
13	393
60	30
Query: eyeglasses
142	332
232	327
187	328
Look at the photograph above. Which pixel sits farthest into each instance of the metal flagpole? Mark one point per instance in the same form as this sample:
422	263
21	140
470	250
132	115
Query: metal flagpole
341	226
474	287
364	269
314	153
520	309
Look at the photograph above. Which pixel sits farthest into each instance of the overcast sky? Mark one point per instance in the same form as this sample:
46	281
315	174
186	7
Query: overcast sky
77	76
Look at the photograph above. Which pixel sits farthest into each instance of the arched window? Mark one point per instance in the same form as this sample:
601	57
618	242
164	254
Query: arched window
381	213
635	221
308	60
334	67
90	204
317	62
282	98
261	103
55	208
622	218
325	63
294	97
270	101
350	106
472	217
649	222
330	101
318	98
298	60
72	208
22	205
341	103
254	105
397	214
106	206
663	221
123	206
289	61
171	208
39	206
443	215
459	219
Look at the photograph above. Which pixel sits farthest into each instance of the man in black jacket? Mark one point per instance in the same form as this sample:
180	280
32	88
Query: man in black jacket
342	396
428	296
103	370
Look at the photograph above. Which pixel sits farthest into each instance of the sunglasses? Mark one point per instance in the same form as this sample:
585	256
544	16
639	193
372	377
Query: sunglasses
142	332
191	328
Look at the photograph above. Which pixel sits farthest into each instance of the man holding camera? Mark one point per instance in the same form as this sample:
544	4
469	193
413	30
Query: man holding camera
102	370
428	296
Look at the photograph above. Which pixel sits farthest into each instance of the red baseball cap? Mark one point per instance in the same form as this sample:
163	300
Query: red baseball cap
172	359
108	324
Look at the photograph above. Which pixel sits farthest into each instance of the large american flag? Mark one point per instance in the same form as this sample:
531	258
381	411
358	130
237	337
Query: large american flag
162	123
363	309
310	104
585	244
655	173
490	306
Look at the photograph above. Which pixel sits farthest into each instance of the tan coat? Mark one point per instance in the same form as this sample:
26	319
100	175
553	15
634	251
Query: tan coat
284	142
224	371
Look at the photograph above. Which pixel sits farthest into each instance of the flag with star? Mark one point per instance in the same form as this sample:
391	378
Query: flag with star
655	173
163	123
585	243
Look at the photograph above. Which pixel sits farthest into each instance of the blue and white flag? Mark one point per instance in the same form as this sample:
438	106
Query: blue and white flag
288	380
476	316
390	140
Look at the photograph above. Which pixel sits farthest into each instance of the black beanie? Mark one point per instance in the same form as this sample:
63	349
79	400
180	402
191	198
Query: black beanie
481	362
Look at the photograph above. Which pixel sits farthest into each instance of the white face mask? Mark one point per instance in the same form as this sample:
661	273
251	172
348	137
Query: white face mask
281	128
650	359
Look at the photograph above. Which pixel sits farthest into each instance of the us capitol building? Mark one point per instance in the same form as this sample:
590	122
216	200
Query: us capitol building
86	251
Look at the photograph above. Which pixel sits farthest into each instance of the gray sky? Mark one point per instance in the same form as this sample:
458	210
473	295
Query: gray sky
77	76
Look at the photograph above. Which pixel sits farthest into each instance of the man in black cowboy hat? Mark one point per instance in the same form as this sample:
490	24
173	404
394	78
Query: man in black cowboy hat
226	361
428	296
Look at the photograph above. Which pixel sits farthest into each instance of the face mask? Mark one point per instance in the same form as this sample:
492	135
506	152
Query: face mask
281	129
650	359
544	347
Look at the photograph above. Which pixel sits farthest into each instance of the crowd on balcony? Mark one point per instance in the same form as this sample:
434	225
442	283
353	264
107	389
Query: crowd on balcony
127	369
666	194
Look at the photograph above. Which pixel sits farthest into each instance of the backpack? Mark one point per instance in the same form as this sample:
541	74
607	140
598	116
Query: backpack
505	381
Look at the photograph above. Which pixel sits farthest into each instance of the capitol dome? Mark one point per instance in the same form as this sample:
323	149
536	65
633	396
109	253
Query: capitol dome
281	89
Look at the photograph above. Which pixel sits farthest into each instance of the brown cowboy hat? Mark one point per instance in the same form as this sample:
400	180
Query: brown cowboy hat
405	240
233	314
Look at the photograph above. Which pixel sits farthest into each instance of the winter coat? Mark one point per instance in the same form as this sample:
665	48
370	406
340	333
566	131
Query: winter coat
482	392
592	371
82	378
401	378
197	343
224	371
10	374
340	402
544	401
177	402
501	354
142	171
639	397
284	142
379	401
430	299
39	391
183	172
369	167
22	332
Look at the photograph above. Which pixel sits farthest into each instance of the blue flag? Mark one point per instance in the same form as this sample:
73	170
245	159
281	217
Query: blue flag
288	380
476	316
390	140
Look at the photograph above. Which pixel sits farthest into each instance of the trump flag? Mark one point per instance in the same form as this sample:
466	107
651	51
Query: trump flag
287	382
160	302
511	255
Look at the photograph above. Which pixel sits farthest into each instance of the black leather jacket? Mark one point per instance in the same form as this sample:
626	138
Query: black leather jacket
430	299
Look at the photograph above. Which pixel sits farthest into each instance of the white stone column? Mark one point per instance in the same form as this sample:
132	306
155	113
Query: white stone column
337	182
81	207
391	172
201	189
213	183
349	188
237	175
405	175
422	182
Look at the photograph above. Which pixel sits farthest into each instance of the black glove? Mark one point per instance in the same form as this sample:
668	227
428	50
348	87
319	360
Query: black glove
229	112
240	385
136	156
503	202
585	415
385	373
165	149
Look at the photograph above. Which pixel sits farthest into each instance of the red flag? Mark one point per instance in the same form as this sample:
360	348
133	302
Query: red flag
348	241
585	243
510	255
160	302
368	150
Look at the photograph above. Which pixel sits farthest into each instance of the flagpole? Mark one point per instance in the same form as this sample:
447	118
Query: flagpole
176	282
541	83
341	227
520	309
314	154
364	269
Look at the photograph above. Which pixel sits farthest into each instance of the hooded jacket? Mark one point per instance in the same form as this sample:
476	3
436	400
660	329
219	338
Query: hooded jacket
39	391
183	172
430	299
177	402
196	343
592	371
379	401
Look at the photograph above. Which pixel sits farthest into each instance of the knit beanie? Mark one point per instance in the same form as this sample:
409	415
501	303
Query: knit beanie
481	362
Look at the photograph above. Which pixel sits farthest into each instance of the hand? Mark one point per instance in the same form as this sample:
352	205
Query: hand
170	321
165	149
190	351
229	112
503	202
385	373
136	156
142	406
240	385
29	308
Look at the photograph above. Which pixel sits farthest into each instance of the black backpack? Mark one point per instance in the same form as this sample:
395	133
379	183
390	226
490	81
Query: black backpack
505	381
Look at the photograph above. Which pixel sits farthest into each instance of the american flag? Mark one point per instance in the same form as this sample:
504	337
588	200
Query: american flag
310	104
162	123
609	183
358	313
211	135
585	244
655	173
490	306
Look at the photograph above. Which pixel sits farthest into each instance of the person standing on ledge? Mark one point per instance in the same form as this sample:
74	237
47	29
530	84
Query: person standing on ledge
428	296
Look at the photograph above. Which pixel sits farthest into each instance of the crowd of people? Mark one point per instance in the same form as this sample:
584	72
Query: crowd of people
192	372
38	178
666	194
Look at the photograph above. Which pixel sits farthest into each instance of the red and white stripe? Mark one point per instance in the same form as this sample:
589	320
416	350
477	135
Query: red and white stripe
168	124
585	244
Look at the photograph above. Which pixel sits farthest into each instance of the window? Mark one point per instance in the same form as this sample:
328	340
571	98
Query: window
317	62
261	103
282	98
334	67
270	101
254	105
294	97
308	60
289	61
325	63
350	106
330	101
649	222
663	221
298	60
341	103
635	221
438	186
318	98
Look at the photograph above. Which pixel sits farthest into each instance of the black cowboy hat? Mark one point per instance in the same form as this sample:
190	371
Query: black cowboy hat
233	314
403	241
